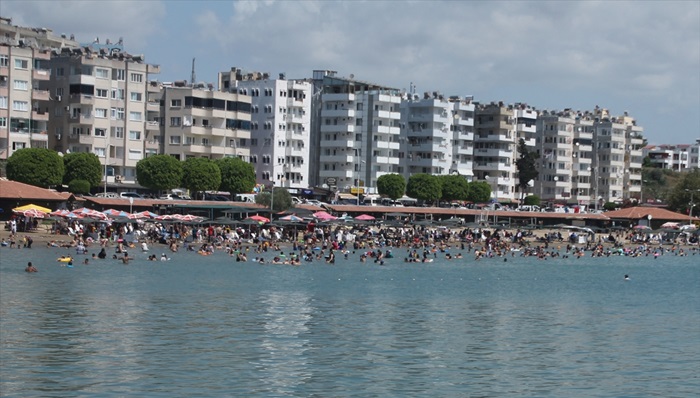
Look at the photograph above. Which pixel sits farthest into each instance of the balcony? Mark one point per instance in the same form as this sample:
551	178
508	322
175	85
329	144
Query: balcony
152	126
341	97
386	145
389	115
41	95
495	137
81	99
492	166
294	118
494	152
41	74
465	135
464	150
338	128
337	159
153	106
81	118
40	115
428	146
80	139
346	113
338	173
346	143
87	80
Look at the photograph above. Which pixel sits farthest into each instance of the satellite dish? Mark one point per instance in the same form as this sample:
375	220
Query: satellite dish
324	186
60	153
352	76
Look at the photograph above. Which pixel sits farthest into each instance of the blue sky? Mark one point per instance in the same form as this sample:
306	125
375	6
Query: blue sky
640	57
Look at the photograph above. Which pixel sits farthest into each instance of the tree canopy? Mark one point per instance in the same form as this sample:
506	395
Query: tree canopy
201	174
425	187
282	199
687	188
159	172
237	176
527	167
391	185
82	166
454	187
479	191
40	167
79	186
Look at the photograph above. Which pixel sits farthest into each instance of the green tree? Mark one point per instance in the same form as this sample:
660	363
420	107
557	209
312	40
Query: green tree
237	176
532	200
79	186
646	162
82	166
479	191
391	185
687	188
609	206
527	167
200	174
424	187
454	187
40	167
282	202
159	172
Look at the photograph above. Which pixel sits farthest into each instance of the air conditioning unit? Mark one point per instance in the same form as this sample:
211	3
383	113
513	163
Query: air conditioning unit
118	178
59	98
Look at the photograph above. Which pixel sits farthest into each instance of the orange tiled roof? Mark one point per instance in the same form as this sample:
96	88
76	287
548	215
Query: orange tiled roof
17	190
639	212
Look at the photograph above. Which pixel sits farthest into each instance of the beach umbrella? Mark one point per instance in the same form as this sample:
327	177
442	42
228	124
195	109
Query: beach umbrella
145	214
259	218
59	213
165	217
364	217
669	225
188	218
642	227
688	227
292	218
324	216
32	207
114	213
33	213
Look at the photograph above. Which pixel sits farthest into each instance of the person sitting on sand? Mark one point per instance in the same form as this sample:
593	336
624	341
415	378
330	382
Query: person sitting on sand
30	268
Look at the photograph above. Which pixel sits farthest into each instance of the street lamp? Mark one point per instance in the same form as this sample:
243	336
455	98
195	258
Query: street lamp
692	204
359	176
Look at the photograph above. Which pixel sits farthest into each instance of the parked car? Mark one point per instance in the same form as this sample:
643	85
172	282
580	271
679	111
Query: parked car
169	196
126	195
111	195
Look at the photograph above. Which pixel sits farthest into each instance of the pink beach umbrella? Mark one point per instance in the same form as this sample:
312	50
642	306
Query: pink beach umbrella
364	217
324	216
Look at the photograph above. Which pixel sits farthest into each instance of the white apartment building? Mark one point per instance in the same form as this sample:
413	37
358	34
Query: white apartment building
356	130
437	135
280	126
672	157
25	71
199	121
99	105
499	128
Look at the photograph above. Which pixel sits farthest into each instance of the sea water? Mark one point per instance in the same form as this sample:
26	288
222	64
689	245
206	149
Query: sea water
210	326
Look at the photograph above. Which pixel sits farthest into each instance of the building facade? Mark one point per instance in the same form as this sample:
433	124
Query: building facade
25	72
356	130
280	126
437	135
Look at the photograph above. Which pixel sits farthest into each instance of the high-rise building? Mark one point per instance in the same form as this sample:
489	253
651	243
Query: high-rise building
280	126
355	129
100	105
499	128
25	71
437	135
199	121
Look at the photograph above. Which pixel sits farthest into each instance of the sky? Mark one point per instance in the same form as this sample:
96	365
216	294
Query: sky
642	57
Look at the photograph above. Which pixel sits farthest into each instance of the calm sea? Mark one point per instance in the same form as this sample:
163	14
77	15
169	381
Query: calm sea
209	326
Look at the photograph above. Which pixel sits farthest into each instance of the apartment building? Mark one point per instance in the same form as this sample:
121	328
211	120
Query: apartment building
99	105
356	129
672	157
25	71
280	126
199	121
437	135
499	128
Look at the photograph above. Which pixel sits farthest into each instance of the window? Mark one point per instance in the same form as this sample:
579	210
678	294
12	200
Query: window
134	135
117	132
102	73
136	78
100	152
4	61
101	93
22	106
100	113
135	154
118	74
3	102
118	93
117	113
100	132
21	63
3	122
136	97
60	72
21	85
175	139
205	141
176	103
175	121
135	116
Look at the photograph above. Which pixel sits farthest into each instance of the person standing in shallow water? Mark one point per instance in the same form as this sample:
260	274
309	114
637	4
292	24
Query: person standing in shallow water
30	268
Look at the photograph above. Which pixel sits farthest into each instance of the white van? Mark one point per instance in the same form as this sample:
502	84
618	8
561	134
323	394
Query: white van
245	197
371	200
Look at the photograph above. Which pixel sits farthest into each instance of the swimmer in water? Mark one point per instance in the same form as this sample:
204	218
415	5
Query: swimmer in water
627	277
